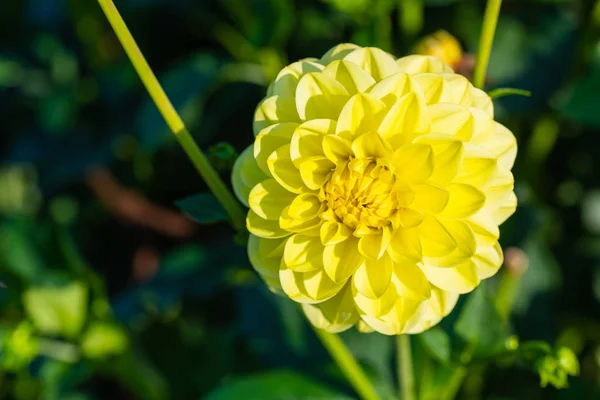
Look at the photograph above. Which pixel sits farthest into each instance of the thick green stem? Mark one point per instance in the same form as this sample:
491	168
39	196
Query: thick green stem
174	121
490	19
406	377
350	368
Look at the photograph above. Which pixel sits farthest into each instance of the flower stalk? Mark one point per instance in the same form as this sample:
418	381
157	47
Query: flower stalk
406	378
490	20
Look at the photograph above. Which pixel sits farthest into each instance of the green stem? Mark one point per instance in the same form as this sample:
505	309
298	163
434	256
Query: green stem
490	19
350	368
406	377
173	120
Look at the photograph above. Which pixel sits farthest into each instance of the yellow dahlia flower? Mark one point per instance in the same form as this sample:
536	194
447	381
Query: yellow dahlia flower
376	187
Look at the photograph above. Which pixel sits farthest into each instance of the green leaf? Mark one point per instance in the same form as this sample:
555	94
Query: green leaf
480	324
437	343
103	339
57	310
203	208
276	385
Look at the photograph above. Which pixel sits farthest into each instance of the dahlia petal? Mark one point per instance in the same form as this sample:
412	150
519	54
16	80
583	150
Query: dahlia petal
334	315
303	253
374	306
410	281
430	198
466	246
447	152
274	110
270	139
362	113
333	232
319	96
478	167
391	88
414	162
315	171
451	119
308	227
307	139
431	85
287	80
505	210
292	284
265	255
431	313
350	75
461	279
482	101
501	143
305	206
436	241
284	171
409	218
246	174
342	259
336	149
482	223
405	120
318	285
375	62
464	201
338	52
488	260
457	90
373	277
264	228
405	245
500	188
374	246
370	145
269	198
415	64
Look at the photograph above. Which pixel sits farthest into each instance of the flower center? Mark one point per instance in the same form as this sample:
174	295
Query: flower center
360	194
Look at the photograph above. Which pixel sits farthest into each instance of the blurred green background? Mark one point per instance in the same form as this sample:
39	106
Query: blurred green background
110	291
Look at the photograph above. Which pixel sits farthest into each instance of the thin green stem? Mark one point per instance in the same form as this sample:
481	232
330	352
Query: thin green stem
406	377
490	19
173	120
350	368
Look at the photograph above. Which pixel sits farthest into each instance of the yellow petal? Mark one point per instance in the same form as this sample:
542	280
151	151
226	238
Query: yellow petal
287	80
466	247
308	138
374	306
305	206
488	260
409	218
431	85
264	228
338	52
269	198
319	287
447	152
292	283
451	119
269	140
482	101
333	232
315	171
414	162
334	315
459	279
457	90
374	246
464	201
410	281
246	174
350	75
405	245
374	62
478	167
342	259
336	149
373	277
303	253
430	198
308	227
435	239
431	312
284	171
416	63
482	223
319	96
505	210
361	114
265	255
501	143
274	110
406	119
392	88
370	145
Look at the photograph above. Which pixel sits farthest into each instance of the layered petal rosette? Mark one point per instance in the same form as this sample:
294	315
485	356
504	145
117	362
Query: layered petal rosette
375	187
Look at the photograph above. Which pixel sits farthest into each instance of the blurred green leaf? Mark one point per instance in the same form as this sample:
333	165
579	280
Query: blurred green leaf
103	339
275	386
137	375
18	251
480	324
581	103
437	343
203	208
57	310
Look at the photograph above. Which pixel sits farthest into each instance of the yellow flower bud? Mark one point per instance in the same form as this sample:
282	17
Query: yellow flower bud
442	45
375	187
